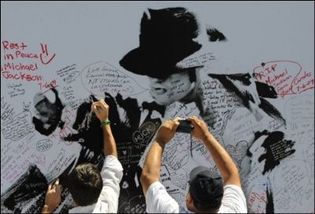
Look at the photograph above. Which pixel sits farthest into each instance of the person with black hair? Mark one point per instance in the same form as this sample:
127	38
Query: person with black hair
206	194
93	190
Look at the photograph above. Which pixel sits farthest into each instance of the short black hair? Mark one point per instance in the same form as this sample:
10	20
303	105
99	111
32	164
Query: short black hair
85	184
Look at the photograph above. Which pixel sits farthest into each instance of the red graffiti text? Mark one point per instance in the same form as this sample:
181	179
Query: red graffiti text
287	77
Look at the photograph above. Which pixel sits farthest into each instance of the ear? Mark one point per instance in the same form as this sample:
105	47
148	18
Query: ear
75	204
190	203
189	200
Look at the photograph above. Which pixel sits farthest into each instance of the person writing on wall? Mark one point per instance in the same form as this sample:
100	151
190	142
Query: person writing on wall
93	191
206	194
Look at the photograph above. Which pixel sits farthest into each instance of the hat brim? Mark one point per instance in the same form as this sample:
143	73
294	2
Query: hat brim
154	63
132	62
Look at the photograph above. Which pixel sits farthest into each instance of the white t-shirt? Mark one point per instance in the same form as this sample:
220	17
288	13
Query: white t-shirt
107	202
159	201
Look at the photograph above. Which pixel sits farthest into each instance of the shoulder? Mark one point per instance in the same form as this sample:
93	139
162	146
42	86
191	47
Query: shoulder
233	200
159	201
111	162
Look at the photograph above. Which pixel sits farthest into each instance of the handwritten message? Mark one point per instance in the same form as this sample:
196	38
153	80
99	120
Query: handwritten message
287	77
219	105
16	89
43	145
16	50
291	184
68	74
20	63
7	110
103	77
18	127
177	154
194	61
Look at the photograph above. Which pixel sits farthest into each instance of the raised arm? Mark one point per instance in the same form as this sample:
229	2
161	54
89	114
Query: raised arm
53	198
221	157
100	108
152	164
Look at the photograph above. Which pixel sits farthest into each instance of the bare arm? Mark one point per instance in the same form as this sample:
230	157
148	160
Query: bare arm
221	157
100	108
152	165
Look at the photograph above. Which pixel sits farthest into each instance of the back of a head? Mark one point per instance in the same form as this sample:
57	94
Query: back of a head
85	184
206	192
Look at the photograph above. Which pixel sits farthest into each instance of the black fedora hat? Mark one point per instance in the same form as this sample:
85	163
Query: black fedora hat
166	37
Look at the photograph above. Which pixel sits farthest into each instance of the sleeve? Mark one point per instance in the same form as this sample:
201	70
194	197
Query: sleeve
159	201
111	173
233	200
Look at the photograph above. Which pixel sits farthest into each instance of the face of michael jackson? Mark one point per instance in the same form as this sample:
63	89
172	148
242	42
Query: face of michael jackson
174	88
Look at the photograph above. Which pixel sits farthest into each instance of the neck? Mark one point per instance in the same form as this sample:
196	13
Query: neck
193	96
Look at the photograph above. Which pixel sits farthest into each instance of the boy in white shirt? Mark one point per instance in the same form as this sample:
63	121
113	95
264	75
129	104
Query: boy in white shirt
93	191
